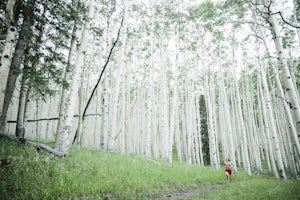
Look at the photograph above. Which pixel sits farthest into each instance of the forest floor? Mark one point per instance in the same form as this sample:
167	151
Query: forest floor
180	195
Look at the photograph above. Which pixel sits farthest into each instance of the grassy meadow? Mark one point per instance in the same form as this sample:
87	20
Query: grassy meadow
92	174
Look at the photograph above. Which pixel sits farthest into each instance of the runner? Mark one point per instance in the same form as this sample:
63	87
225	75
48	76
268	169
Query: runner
228	169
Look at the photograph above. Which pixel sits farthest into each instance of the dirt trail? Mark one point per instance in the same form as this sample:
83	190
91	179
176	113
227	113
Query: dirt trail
180	195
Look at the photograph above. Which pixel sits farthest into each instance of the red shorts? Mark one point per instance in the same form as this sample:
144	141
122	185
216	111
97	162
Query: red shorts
228	171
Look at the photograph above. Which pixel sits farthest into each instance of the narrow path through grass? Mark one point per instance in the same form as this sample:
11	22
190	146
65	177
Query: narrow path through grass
180	195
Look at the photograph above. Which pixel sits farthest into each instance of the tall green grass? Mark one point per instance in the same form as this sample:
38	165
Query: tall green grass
257	188
92	174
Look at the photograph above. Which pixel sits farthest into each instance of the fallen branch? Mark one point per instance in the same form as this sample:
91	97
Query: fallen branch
40	146
47	148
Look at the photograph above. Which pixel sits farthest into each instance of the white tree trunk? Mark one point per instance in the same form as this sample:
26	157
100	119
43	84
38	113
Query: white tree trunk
290	85
63	142
8	49
227	124
211	124
263	134
149	89
250	105
267	129
79	126
165	119
282	95
242	129
67	77
297	18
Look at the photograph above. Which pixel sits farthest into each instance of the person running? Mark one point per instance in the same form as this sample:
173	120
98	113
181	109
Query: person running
228	169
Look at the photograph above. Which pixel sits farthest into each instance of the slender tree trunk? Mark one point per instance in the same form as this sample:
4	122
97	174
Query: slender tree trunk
267	129
126	107
228	126
20	128
124	77
67	77
105	110
8	50
164	118
183	136
79	129
150	90
236	135
297	16
17	60
175	119
244	142
274	131
64	138
240	117
211	125
251	123
288	111
290	85
264	128
114	105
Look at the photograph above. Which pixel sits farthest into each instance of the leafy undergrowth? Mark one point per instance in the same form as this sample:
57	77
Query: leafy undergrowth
92	174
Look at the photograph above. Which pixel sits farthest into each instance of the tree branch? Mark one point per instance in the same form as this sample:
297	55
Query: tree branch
50	119
103	69
292	24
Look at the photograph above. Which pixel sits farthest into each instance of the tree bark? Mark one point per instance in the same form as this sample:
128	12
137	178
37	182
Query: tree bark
211	124
8	50
290	85
67	77
242	130
64	138
267	128
17	59
297	16
20	127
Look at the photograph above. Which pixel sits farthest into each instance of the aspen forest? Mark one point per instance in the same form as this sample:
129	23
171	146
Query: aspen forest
188	81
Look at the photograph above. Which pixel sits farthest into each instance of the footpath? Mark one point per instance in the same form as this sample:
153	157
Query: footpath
180	195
